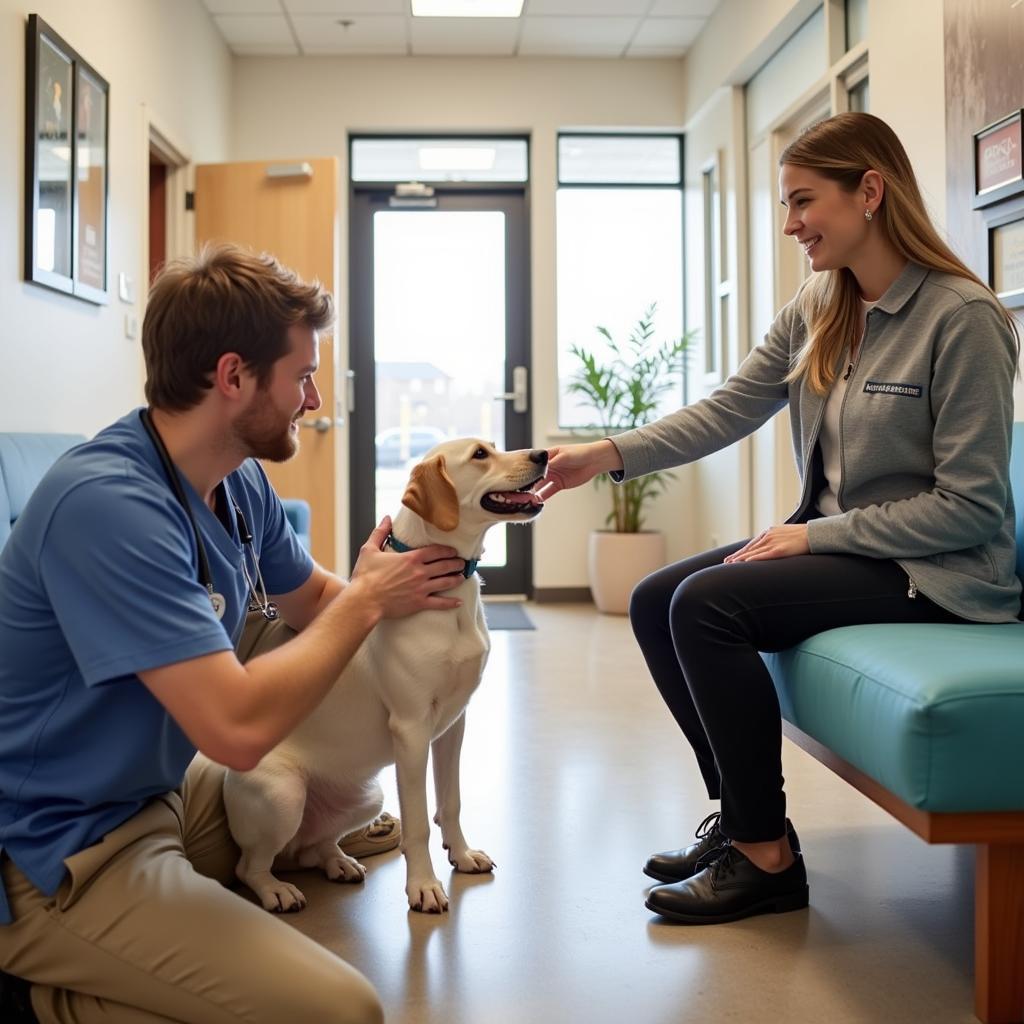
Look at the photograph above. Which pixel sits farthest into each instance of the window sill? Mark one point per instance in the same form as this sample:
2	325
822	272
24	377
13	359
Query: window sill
568	434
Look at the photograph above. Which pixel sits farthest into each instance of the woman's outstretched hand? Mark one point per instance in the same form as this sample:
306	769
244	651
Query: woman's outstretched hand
572	465
775	542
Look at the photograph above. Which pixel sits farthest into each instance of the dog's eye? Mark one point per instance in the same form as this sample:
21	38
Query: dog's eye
480	453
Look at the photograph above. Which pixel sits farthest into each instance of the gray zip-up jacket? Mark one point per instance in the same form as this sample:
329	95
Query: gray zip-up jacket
924	436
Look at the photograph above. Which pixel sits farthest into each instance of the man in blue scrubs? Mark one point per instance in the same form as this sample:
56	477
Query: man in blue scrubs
124	590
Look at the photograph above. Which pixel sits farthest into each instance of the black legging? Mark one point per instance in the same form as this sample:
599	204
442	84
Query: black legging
700	625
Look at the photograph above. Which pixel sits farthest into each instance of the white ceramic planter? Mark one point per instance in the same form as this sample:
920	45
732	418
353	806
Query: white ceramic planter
617	562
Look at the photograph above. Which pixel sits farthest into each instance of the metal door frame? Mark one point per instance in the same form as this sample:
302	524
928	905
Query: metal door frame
365	200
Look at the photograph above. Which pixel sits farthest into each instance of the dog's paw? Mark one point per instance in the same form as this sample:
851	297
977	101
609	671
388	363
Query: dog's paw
281	897
343	868
428	897
471	862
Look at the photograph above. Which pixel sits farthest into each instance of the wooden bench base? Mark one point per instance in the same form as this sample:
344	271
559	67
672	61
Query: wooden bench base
998	881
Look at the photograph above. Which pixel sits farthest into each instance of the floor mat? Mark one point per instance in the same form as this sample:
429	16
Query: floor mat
506	615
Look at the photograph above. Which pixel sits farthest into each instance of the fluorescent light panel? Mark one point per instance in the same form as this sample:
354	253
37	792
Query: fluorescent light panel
467	8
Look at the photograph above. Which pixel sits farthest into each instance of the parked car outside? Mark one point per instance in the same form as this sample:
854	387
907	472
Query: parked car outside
390	452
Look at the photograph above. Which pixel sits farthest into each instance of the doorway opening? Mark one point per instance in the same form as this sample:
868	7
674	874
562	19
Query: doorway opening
439	320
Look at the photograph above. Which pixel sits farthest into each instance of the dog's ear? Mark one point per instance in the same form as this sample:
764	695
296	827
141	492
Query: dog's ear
431	494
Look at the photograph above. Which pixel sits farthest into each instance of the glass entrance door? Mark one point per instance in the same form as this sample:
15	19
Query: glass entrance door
439	329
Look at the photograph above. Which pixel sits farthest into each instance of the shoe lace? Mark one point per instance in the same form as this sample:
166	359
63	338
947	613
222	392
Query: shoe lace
721	861
709	826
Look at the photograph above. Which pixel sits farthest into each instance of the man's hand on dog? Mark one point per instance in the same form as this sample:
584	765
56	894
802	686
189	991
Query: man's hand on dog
401	584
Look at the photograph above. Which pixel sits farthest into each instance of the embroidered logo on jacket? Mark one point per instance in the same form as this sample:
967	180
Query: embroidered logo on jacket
877	387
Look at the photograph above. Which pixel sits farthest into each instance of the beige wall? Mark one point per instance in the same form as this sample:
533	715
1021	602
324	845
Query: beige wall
66	364
738	38
286	107
908	76
905	39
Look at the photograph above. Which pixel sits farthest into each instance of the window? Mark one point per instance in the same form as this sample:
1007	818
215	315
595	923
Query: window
619	223
859	96
856	23
716	275
439	159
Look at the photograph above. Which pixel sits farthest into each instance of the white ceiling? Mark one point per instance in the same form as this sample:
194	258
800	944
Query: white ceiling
547	28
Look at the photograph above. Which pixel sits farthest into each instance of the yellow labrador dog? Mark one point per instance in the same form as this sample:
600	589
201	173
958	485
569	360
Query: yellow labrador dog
402	695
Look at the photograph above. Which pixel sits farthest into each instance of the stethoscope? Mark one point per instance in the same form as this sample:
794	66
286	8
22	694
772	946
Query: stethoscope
258	599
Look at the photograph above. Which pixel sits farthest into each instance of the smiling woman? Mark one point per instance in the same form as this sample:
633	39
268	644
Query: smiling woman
903	460
837	178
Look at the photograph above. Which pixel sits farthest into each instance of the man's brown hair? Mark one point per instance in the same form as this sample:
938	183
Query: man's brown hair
226	299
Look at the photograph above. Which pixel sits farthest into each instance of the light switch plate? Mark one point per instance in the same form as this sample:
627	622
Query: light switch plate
126	287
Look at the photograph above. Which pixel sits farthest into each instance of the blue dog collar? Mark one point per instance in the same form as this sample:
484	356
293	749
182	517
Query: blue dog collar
396	545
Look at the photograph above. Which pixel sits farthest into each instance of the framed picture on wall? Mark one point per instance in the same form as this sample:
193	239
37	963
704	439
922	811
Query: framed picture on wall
66	191
90	205
1006	256
998	161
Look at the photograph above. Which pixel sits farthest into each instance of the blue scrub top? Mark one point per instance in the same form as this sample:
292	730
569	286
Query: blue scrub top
99	581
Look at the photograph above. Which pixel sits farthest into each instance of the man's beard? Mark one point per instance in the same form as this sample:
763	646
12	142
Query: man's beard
264	432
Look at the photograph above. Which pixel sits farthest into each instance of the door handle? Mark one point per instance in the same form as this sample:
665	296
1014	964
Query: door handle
350	390
321	424
518	395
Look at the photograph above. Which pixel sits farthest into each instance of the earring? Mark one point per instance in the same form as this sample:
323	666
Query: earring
868	215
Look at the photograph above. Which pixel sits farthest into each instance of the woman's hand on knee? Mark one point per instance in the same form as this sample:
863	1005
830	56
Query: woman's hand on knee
775	542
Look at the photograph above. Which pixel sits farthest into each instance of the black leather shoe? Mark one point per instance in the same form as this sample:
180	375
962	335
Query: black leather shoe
15	1001
729	887
678	865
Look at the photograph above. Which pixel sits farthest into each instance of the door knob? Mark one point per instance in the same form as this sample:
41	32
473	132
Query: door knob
518	395
321	424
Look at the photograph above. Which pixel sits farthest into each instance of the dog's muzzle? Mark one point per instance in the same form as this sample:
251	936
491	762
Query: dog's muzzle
522	501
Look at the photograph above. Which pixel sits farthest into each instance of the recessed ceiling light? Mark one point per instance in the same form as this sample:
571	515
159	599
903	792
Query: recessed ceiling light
467	8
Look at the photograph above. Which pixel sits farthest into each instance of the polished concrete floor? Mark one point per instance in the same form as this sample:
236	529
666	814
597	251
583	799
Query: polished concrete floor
573	772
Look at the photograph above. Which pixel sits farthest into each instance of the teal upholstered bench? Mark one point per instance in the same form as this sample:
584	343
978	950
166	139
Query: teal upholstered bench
928	721
24	458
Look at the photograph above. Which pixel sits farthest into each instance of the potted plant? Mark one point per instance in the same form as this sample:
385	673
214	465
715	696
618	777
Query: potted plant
624	391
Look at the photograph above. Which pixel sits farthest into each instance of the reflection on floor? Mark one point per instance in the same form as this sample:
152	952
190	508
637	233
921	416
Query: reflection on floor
573	772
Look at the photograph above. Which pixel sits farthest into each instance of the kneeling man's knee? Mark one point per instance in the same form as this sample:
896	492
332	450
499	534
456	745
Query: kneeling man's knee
354	1001
338	994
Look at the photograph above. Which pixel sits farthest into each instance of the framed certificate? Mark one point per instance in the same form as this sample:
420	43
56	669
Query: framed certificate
1007	245
66	115
998	164
1006	255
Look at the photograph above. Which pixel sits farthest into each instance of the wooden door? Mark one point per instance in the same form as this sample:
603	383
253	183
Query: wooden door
294	218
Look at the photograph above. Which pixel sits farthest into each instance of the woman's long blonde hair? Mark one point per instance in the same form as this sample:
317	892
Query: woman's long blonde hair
843	148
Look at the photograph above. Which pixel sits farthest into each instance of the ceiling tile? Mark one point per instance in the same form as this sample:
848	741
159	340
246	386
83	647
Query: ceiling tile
369	34
576	37
586	8
266	50
254	29
345	6
243	6
652	52
668	31
683	8
464	36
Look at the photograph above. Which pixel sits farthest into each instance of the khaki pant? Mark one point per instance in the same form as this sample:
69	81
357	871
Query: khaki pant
143	930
